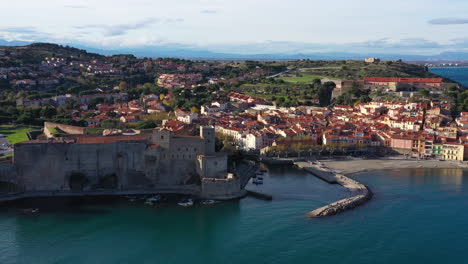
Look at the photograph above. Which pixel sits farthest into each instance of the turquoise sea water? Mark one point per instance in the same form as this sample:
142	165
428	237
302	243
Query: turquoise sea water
459	74
416	216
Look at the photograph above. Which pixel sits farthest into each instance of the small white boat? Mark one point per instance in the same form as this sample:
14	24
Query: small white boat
131	198
208	202
154	199
186	203
31	210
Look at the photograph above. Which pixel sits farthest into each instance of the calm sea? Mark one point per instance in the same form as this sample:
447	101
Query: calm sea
459	74
416	216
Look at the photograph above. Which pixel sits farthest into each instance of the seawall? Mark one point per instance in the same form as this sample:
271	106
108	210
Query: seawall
360	192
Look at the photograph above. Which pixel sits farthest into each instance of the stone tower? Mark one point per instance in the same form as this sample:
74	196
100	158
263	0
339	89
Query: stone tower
207	133
162	137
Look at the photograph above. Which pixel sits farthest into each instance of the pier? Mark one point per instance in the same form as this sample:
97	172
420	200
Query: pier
360	192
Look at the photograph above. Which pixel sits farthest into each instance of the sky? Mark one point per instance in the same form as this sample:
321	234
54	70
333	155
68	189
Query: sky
243	26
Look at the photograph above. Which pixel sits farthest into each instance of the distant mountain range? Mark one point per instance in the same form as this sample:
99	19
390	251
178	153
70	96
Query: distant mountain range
194	53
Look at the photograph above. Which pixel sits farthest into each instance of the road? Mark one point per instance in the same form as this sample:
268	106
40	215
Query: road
276	75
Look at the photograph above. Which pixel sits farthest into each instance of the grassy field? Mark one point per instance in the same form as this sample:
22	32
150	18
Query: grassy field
303	78
14	134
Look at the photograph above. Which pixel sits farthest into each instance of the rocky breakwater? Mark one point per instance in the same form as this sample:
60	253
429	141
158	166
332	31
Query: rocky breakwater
360	192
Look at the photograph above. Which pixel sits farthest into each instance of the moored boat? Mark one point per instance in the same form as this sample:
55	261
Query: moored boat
186	203
208	202
31	210
153	200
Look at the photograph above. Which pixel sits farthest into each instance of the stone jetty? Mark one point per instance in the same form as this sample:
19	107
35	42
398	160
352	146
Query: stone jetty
360	192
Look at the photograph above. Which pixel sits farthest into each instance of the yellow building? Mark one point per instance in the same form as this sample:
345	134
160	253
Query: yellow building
453	151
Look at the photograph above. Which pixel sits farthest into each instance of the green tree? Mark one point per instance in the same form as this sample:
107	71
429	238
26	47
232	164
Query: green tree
48	112
146	125
123	85
424	93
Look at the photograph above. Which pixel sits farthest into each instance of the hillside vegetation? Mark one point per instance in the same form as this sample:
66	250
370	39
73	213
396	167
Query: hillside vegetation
36	52
356	70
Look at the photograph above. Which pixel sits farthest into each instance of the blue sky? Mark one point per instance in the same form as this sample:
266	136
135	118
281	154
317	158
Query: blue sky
244	26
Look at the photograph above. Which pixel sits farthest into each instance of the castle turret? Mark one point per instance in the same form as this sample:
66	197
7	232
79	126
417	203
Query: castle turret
207	133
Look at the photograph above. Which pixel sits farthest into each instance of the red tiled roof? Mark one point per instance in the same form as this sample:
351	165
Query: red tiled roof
404	80
109	139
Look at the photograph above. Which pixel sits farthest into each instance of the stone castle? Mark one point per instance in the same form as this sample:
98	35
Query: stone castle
158	161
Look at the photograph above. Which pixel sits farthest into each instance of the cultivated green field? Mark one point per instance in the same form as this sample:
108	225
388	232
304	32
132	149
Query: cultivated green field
303	78
14	134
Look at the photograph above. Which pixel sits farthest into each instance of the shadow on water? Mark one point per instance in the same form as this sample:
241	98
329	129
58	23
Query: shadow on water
388	229
158	231
62	205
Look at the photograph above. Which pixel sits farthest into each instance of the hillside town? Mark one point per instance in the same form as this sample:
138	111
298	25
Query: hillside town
419	130
181	96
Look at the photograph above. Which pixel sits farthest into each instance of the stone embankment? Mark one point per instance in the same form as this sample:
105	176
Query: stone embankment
360	192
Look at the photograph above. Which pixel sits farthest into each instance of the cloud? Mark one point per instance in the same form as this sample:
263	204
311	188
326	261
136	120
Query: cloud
384	45
75	6
401	43
23	34
19	30
122	29
449	21
209	11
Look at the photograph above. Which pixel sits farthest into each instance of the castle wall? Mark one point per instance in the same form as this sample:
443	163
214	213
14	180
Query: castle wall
49	166
221	188
212	166
7	172
164	162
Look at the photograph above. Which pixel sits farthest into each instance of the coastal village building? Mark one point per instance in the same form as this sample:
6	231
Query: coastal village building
399	84
453	151
173	81
372	60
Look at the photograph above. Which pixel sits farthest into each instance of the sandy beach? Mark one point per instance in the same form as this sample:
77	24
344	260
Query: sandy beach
355	165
